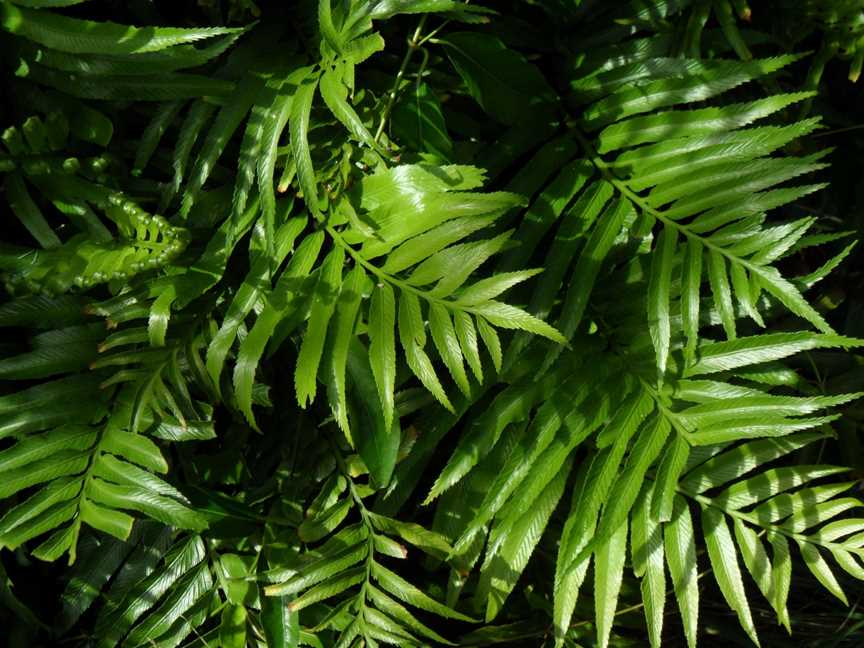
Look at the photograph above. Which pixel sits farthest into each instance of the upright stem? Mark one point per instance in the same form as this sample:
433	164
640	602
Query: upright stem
413	46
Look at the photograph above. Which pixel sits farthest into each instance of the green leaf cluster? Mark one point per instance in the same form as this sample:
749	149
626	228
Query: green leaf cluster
320	337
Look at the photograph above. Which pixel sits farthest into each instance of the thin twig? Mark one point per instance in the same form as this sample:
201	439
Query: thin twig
413	46
433	33
837	131
636	606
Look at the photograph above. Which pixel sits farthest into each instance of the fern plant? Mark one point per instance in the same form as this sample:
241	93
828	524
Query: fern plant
321	337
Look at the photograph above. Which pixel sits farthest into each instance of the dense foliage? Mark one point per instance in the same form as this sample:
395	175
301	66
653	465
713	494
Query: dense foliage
425	322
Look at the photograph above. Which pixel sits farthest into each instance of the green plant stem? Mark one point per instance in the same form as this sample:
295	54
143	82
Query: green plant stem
413	46
637	606
433	33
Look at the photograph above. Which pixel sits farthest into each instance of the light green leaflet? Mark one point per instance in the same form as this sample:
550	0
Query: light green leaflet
83	36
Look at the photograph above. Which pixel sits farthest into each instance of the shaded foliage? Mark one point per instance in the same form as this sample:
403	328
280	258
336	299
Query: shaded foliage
499	335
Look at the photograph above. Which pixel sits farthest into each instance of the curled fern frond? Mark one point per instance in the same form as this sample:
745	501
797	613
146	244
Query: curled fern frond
147	242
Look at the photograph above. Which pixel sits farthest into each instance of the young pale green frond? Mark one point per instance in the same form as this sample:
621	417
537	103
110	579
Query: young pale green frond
512	405
558	416
147	242
502	567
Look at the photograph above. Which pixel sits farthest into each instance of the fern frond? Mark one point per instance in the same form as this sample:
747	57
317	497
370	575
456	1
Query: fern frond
88	37
351	556
147	242
88	472
268	281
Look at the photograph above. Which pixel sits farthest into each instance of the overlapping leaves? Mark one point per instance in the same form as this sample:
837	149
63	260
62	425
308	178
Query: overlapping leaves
368	276
356	555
